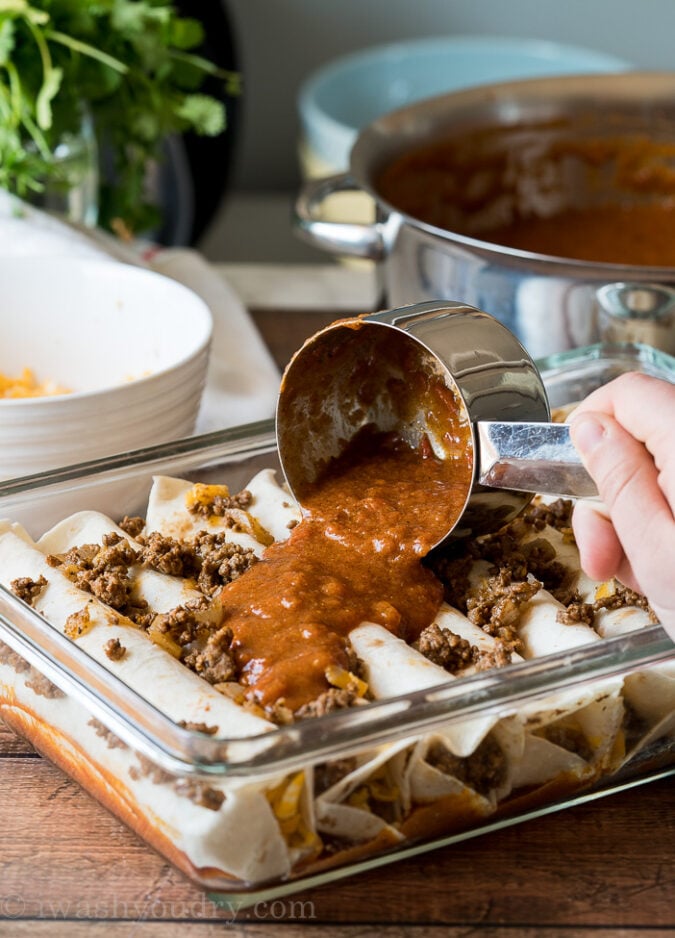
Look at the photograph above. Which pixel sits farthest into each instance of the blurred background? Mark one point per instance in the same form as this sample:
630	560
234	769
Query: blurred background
278	44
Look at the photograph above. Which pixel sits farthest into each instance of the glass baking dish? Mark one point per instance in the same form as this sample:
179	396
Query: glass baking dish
570	376
268	832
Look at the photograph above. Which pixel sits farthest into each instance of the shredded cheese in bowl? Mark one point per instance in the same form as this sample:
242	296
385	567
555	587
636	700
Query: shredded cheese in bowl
26	385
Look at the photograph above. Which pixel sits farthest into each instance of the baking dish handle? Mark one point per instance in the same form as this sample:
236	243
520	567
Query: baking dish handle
347	238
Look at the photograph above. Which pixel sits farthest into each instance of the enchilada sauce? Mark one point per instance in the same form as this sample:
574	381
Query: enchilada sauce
356	556
481	186
607	234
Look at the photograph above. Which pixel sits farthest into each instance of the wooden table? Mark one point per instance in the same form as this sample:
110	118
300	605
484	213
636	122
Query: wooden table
600	870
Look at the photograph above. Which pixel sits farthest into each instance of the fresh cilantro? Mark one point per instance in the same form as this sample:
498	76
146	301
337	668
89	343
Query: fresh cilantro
130	63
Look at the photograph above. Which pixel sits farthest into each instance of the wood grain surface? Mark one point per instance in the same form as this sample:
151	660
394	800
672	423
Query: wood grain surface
603	869
285	332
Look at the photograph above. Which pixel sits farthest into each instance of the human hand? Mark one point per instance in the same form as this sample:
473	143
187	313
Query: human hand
624	432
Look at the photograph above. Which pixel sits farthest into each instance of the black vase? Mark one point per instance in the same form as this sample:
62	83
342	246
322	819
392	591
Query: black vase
193	178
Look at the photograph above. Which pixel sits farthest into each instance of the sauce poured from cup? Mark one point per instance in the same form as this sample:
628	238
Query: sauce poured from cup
371	516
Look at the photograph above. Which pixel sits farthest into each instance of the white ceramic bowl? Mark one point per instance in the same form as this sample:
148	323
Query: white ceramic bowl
347	94
131	345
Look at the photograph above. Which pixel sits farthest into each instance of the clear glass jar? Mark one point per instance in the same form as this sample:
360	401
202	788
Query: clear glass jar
72	188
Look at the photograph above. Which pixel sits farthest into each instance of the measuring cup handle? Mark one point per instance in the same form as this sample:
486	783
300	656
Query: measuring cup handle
531	457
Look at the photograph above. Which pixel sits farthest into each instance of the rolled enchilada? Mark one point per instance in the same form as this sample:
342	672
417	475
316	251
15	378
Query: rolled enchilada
424	786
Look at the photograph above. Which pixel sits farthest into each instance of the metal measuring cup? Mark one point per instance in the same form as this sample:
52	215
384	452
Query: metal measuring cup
364	371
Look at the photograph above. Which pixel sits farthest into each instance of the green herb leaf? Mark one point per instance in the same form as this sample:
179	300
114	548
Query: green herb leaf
129	63
48	91
6	41
87	49
204	114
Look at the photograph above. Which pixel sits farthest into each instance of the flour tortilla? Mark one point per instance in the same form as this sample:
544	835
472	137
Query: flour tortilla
160	591
542	634
612	622
153	673
336	817
272	505
242	838
651	693
542	761
168	514
393	668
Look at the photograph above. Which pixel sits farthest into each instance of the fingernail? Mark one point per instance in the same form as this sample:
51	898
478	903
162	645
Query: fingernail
587	431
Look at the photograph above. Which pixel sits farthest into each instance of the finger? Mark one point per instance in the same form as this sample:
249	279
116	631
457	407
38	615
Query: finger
621	466
628	483
641	404
600	551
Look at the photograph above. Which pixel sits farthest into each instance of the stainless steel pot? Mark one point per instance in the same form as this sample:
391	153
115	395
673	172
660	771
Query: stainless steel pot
550	303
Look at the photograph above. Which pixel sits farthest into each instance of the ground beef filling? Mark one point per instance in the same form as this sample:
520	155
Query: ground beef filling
221	505
111	740
28	590
133	525
12	659
114	649
454	653
445	649
36	681
199	792
108	571
330	773
620	597
484	770
335	698
568	735
213	660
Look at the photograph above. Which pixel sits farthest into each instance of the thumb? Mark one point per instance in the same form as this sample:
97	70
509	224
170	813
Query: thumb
620	465
627	480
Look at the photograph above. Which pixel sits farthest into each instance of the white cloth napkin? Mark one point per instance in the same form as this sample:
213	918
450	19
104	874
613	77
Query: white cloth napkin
242	380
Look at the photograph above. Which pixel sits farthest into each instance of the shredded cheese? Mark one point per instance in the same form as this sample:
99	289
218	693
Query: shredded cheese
26	385
342	679
78	624
203	496
285	801
379	787
605	590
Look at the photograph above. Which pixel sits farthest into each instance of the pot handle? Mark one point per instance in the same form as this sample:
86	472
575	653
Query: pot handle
348	238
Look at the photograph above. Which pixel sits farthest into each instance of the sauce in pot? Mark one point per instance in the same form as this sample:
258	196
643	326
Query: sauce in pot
642	235
602	200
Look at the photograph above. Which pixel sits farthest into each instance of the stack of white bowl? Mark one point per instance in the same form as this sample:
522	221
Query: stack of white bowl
131	346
